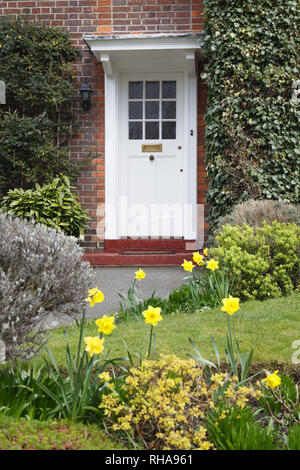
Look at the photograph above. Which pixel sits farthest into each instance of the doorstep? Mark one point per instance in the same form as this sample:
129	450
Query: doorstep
137	259
142	252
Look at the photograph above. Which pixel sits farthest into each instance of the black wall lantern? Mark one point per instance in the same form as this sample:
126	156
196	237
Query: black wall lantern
86	96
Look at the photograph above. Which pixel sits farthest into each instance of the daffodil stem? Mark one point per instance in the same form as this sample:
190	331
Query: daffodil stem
231	346
150	342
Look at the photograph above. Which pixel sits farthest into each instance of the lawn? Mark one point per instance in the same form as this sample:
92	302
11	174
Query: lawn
63	435
271	326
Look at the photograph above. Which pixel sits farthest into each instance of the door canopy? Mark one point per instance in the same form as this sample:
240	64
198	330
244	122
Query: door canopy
145	52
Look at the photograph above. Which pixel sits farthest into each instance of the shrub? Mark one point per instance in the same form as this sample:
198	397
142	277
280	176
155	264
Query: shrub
36	62
264	262
250	49
41	274
53	205
163	404
254	213
28	152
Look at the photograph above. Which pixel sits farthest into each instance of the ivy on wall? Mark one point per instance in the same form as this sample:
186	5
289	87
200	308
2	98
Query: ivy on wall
252	138
36	123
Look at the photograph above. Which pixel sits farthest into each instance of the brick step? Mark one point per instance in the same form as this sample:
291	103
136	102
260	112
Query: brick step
124	245
133	259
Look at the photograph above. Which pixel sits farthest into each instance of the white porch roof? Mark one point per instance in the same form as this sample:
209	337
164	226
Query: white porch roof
145	52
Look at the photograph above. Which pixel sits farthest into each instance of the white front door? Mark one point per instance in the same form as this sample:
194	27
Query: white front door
151	155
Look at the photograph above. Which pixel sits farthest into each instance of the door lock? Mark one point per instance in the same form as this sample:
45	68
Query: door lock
151	158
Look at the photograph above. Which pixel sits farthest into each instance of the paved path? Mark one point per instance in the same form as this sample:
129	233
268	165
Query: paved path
112	280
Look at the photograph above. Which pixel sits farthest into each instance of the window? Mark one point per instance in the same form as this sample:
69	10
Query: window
152	110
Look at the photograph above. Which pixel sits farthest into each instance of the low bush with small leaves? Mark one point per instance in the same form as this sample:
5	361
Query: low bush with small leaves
41	274
52	204
264	262
163	403
255	212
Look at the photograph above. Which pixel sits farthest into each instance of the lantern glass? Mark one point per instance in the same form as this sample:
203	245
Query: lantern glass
86	93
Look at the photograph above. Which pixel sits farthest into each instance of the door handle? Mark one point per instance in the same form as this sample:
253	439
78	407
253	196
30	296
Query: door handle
151	158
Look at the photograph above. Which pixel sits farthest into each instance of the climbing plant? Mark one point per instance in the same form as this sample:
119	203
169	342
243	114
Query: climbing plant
36	123
251	50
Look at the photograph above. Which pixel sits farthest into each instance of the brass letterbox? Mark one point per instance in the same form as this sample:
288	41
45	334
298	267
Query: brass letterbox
151	147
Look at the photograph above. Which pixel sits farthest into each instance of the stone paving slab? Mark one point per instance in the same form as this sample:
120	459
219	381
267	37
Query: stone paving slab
112	280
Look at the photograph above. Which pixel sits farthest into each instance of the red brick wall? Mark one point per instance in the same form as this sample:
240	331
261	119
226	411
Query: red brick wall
130	16
82	17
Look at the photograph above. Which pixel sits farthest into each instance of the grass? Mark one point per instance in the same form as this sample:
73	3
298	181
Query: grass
271	326
50	435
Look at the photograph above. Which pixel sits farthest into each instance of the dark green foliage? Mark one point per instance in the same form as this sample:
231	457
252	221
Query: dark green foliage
36	123
293	438
179	300
53	205
28	153
182	300
235	428
252	139
20	396
35	63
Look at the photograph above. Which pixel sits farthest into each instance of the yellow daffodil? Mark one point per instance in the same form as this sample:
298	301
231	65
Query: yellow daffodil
205	252
188	265
272	380
152	315
140	274
105	324
94	345
198	258
230	305
94	296
212	264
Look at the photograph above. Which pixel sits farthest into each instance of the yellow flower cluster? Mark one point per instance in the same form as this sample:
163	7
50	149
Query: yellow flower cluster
94	344
200	260
160	394
169	398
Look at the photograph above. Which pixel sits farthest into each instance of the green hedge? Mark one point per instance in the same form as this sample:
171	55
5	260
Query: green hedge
36	124
262	262
252	138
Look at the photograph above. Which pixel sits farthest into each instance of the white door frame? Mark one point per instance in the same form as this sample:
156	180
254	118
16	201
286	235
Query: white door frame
170	53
